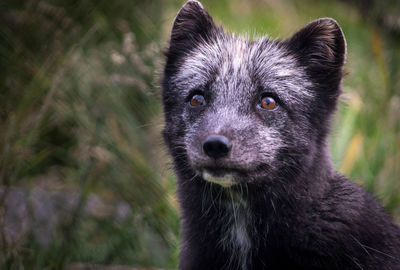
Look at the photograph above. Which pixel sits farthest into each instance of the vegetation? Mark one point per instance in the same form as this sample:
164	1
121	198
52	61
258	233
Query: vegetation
84	175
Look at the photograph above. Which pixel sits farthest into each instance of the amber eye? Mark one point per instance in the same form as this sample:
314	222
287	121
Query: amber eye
268	103
197	100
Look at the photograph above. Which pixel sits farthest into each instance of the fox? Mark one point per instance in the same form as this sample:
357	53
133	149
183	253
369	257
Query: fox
247	124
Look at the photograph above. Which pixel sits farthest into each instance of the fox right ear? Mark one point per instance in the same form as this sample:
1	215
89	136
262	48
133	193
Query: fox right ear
321	47
192	25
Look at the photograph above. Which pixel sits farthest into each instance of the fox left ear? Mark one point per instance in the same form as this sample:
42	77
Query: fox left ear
321	47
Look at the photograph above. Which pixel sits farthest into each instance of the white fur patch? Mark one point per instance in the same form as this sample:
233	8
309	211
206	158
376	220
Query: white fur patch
197	2
239	233
236	240
225	181
286	72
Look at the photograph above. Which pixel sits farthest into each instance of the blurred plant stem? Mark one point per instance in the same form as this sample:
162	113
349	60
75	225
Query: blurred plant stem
87	182
83	174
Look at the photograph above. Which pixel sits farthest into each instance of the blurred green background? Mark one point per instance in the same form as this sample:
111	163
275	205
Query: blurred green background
84	174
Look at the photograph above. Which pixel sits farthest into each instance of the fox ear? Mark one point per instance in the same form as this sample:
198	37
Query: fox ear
321	48
192	25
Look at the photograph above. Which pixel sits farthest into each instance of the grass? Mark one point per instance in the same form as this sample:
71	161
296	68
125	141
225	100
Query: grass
80	123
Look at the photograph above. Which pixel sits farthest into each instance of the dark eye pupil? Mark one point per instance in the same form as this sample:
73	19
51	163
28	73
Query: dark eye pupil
197	100
268	103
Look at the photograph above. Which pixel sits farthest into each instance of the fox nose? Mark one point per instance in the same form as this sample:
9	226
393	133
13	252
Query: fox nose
216	146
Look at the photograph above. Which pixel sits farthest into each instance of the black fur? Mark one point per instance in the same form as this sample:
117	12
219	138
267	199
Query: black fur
192	25
299	213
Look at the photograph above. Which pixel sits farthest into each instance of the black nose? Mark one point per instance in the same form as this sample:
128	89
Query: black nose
216	146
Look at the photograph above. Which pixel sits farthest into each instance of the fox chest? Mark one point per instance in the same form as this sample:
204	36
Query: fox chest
235	238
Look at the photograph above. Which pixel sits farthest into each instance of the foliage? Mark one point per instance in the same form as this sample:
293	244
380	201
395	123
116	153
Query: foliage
84	175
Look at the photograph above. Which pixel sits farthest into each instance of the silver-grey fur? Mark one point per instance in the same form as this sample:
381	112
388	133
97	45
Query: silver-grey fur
273	200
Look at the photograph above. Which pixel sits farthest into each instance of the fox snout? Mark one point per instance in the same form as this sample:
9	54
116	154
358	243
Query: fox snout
217	146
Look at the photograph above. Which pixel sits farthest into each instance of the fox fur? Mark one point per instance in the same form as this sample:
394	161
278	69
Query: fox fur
272	199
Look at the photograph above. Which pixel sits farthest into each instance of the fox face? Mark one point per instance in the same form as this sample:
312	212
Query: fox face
240	111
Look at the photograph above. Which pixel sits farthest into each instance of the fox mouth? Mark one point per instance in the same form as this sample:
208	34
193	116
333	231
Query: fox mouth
225	177
219	171
228	176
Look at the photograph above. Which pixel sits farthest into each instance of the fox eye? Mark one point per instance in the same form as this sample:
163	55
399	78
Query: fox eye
268	103
197	100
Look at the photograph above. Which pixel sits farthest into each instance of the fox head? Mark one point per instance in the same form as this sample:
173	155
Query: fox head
240	111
